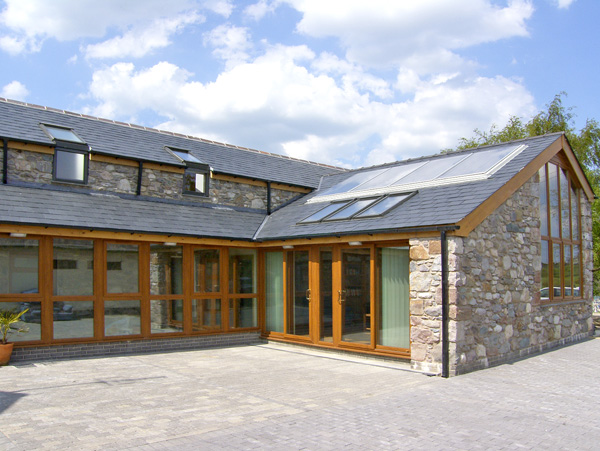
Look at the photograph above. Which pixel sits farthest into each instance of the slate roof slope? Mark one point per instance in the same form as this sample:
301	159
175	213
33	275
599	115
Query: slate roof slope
434	206
108	212
20	121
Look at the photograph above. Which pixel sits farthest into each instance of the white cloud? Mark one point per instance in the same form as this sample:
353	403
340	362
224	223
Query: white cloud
140	41
222	7
31	22
231	43
14	90
383	32
564	4
276	103
259	10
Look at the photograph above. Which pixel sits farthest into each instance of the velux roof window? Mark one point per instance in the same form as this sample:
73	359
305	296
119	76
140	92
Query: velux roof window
357	208
197	174
71	155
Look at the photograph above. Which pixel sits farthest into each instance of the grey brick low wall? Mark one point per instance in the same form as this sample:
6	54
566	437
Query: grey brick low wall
69	351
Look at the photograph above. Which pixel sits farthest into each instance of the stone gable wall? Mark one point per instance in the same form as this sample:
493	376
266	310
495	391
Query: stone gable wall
497	315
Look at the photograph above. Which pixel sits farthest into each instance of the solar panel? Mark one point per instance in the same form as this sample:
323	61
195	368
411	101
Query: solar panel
353	182
389	176
480	161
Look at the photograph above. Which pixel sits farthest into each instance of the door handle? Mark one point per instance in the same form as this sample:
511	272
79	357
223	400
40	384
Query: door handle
308	295
341	296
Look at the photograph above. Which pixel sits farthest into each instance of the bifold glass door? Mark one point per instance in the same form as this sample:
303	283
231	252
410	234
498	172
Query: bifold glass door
300	294
355	295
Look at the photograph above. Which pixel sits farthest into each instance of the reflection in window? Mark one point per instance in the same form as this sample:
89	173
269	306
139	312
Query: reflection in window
166	269
70	166
206	314
30	321
73	273
121	318
73	319
206	272
243	312
274	291
195	182
166	316
126	258
242	270
18	266
394	322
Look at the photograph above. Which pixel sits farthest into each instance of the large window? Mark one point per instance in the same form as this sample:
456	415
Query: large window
560	226
243	306
18	265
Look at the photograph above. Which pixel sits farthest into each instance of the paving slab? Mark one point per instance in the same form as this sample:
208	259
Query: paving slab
286	397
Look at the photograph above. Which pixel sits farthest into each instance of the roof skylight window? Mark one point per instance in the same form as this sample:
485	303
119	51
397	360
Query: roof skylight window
62	134
185	156
315	217
385	205
351	209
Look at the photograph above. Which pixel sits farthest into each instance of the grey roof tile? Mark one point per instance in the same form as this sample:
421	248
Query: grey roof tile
122	140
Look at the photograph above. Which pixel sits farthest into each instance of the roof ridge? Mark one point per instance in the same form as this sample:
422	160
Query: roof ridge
165	132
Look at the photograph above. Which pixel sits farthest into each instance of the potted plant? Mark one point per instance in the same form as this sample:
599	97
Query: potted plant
7	320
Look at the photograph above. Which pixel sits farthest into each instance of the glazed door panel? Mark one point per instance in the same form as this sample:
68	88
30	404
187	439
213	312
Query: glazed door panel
298	311
354	297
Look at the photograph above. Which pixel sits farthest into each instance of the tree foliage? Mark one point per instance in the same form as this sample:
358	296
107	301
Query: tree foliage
555	117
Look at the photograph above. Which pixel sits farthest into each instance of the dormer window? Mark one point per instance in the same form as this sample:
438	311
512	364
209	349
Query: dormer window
71	155
197	174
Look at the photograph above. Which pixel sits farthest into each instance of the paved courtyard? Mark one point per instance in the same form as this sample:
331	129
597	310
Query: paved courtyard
288	398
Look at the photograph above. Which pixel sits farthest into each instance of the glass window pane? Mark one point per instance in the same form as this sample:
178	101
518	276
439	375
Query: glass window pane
166	269
575	213
73	319
382	207
243	313
18	266
557	271
207	277
63	134
356	295
73	273
186	156
194	182
351	209
326	294
122	261
70	166
394	321
567	271
565	210
30	323
166	316
554	202
545	290
206	314
242	270
274	291
576	272
543	202
121	318
324	212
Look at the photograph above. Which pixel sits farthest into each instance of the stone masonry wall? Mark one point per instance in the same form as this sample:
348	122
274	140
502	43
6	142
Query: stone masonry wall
36	167
496	315
494	281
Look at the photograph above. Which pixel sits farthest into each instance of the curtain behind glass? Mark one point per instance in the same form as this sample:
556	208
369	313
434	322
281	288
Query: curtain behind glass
274	291
394	323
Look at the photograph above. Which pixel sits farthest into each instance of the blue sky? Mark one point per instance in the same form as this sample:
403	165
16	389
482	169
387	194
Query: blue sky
346	82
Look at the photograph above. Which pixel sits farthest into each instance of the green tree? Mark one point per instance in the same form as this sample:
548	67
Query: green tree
556	117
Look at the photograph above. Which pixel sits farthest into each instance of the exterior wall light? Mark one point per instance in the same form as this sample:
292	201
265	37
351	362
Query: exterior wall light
170	243
18	235
355	243
288	246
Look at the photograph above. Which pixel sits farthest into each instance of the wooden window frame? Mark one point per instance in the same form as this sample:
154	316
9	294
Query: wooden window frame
563	242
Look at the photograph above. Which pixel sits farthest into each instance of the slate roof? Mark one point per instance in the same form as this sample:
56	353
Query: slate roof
20	121
434	206
44	206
